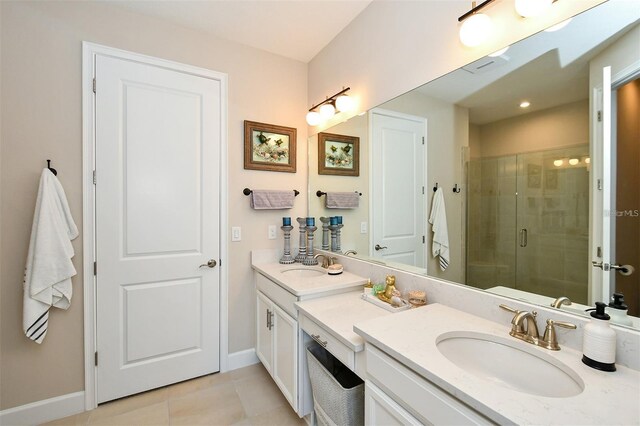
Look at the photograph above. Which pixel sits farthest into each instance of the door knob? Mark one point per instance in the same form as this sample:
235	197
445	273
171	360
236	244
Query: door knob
379	247
211	264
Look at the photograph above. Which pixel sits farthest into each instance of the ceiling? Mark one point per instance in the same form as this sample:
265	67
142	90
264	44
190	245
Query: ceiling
297	29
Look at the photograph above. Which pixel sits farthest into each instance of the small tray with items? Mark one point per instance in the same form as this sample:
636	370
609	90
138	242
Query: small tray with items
371	298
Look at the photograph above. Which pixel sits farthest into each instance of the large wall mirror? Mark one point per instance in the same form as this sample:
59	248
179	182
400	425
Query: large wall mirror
535	186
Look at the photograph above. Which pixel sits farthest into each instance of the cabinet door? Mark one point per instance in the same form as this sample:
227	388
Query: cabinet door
264	343
285	359
380	409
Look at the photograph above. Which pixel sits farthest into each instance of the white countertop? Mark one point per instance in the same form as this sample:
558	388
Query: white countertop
337	314
410	337
304	286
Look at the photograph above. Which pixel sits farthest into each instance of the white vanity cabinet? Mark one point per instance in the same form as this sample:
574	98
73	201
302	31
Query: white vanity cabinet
276	346
380	409
402	394
280	339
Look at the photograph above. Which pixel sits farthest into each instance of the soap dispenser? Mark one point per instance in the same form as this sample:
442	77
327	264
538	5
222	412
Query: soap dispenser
599	341
618	310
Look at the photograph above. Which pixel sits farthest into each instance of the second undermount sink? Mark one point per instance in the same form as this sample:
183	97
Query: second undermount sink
304	272
510	364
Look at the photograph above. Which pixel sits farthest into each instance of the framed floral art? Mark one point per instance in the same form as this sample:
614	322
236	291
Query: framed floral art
338	155
269	147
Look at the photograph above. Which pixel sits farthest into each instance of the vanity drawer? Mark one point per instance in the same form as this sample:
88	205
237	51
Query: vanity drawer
416	394
277	294
330	343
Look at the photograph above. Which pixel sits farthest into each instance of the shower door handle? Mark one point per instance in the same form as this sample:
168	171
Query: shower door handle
523	237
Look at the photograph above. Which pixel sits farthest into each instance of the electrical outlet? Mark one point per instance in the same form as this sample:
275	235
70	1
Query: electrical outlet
363	227
272	232
236	233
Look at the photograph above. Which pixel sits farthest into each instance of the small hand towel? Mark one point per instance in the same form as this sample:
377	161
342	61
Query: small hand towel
438	220
47	278
271	200
342	200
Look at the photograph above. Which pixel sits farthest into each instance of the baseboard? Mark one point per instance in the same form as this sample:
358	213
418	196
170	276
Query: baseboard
43	411
242	359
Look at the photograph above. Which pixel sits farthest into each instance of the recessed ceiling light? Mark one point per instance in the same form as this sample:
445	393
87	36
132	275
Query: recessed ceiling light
525	104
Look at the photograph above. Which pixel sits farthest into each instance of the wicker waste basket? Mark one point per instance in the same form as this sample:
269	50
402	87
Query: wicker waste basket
338	393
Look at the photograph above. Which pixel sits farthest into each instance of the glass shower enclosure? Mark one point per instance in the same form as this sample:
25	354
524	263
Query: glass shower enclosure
528	222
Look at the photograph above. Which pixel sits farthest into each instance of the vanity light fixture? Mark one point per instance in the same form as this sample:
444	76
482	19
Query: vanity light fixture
573	161
525	104
476	27
558	163
532	8
340	102
587	160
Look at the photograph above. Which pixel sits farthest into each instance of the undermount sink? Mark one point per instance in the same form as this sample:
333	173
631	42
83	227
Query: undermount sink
304	272
510	364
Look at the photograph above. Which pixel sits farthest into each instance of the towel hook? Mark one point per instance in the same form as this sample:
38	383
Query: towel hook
54	171
456	190
435	188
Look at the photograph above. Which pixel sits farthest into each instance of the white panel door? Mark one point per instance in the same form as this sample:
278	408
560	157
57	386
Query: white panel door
398	179
158	137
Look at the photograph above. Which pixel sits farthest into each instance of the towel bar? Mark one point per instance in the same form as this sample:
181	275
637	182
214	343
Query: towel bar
247	191
320	193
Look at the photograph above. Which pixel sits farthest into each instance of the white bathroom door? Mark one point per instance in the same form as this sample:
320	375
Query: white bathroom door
158	139
397	176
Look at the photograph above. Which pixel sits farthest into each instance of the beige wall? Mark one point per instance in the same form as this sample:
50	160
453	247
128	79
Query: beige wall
41	117
551	128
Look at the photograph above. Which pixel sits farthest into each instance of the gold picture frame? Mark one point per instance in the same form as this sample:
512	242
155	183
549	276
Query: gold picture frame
269	147
338	155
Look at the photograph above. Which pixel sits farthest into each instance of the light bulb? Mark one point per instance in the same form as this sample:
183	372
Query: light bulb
587	160
475	29
532	8
525	104
313	118
327	111
344	103
558	163
573	161
499	52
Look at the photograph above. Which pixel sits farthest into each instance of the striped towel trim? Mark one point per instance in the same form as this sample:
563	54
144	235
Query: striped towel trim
38	329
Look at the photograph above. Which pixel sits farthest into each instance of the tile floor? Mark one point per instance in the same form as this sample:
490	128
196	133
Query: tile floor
247	396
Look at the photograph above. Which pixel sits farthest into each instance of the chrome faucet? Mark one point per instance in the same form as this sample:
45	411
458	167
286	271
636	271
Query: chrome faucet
348	252
562	300
326	260
530	334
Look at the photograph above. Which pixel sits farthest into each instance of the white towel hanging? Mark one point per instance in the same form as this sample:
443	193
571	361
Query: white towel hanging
438	220
47	278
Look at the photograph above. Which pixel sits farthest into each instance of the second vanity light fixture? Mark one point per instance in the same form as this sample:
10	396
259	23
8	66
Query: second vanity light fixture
476	27
340	102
